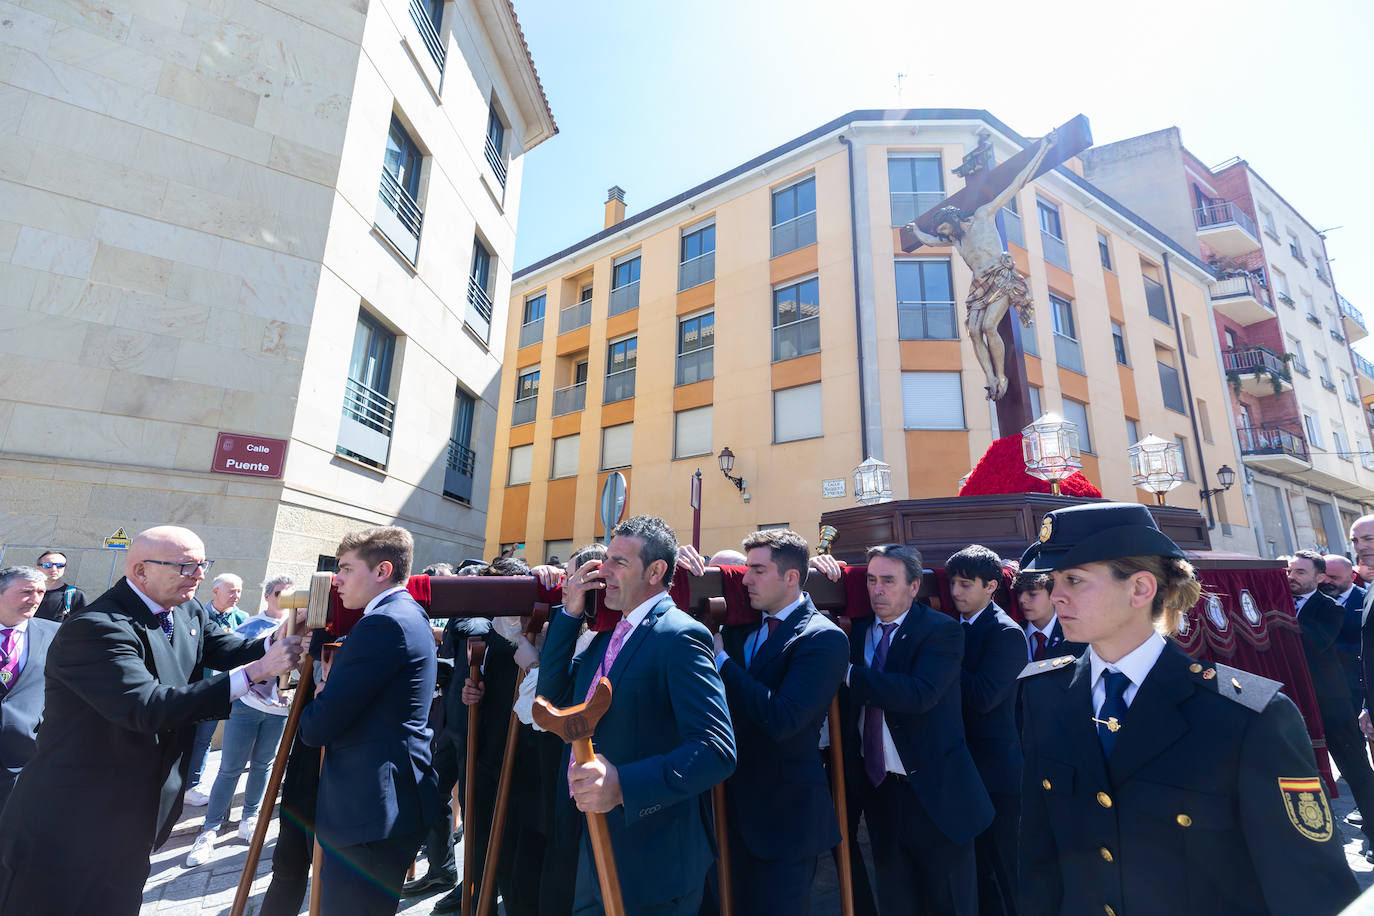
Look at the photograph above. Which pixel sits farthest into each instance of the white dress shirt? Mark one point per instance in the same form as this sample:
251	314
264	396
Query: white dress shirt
238	678
377	598
1301	600
891	759
755	640
1136	664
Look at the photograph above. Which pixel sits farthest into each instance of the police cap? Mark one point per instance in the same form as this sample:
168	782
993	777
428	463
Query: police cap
1094	534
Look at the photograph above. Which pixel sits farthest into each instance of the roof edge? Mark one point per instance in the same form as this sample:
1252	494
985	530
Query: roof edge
542	125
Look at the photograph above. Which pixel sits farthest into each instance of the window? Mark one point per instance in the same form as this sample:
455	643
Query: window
1052	234
496	145
1183	452
616	445
521	463
1188	343
1314	432
565	450
1299	356
925	300
478	315
1119	343
1204	420
1104	250
697	263
915	183
534	308
560	550
797	413
692	432
403	159
624	284
1324	365
1338	436
398	215
1170	387
1348	388
1132	431
796	319
794	216
1155	302
1067	351
1281	285
620	369
1267	222
428	16
1035	402
1295	247
532	321
932	400
1077	413
462	460
368	413
1011	223
1061	311
526	397
696	339
1230	339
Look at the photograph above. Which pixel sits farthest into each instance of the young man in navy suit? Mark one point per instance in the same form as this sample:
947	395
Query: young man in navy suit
780	674
909	765
666	738
994	654
371	716
24	640
1044	635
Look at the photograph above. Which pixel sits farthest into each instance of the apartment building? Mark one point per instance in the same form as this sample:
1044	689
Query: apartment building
1283	333
249	255
748	312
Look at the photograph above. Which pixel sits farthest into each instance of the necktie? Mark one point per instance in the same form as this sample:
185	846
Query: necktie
760	638
875	760
622	630
1040	643
10	646
1113	709
164	619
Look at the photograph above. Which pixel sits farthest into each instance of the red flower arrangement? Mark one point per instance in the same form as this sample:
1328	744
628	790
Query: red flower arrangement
1002	469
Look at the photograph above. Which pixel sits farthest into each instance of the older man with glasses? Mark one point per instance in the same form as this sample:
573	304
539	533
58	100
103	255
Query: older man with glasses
126	685
61	600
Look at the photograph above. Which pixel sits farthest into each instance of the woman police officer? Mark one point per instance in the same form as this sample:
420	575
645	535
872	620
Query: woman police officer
1154	783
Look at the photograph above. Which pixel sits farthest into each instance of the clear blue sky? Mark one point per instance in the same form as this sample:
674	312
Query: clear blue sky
656	96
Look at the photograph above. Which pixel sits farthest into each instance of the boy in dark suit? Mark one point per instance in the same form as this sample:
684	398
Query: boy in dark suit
371	717
994	654
1044	634
24	640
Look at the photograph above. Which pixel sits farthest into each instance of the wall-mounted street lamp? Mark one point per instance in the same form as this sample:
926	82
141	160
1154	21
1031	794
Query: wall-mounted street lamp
1226	476
726	459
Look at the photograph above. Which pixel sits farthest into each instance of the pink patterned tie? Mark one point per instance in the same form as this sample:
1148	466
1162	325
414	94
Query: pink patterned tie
12	648
622	630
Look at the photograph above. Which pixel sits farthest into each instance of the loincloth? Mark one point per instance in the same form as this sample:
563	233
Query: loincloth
1000	280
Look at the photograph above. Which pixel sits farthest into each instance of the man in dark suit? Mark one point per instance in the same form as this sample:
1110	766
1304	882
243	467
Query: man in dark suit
780	675
24	640
371	717
1044	635
125	687
1321	620
909	764
666	738
994	654
1338	584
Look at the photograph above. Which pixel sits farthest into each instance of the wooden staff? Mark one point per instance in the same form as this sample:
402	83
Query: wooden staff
575	725
498	820
841	809
724	880
477	653
316	602
317	860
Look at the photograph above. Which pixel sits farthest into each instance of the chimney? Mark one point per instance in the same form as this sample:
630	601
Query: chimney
615	206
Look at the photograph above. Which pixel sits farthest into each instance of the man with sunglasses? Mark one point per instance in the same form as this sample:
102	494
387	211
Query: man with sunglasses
61	600
125	688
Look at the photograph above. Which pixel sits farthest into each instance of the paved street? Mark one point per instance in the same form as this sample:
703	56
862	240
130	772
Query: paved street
174	890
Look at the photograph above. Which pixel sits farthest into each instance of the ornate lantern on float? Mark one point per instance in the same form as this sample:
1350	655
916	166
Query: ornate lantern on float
1050	448
873	482
1156	466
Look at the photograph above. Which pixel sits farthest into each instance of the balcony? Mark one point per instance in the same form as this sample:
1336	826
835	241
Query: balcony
365	429
695	366
398	217
1226	228
1352	319
624	298
620	386
523	412
1364	375
1257	371
794	233
532	333
575	316
570	399
478	316
1328	384
1012	223
428	34
1241	299
1068	353
926	321
1312	317
696	271
1274	448
1286	299
907	205
1056	252
1337	336
458	473
797	339
1321	275
498	165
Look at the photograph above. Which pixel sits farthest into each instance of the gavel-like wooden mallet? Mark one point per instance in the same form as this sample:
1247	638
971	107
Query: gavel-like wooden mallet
575	725
315	600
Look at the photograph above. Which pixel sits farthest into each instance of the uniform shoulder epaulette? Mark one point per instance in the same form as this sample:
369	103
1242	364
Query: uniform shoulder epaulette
1246	688
1049	664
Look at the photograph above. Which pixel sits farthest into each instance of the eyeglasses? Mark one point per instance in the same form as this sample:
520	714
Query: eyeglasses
53	565
186	569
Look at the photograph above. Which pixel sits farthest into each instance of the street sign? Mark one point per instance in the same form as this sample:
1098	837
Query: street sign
832	488
251	456
613	495
118	541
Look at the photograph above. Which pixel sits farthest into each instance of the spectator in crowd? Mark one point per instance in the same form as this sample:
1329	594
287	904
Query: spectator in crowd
1338	584
437	569
250	739
726	557
24	641
125	685
60	599
224	611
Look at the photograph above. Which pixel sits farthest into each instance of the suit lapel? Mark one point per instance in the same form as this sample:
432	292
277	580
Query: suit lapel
784	634
636	639
1056	635
1154	720
1076	729
1368	599
144	624
903	640
186	637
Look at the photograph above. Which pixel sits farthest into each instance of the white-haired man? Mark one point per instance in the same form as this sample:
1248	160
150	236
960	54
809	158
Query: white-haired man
24	642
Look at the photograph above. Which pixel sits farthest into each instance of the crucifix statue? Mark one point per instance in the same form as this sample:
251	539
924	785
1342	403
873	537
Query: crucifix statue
967	220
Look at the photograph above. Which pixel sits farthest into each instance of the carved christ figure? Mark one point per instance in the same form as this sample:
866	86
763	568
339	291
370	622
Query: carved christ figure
996	284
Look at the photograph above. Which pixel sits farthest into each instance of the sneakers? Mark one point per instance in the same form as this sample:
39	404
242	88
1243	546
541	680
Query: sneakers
203	850
246	828
194	798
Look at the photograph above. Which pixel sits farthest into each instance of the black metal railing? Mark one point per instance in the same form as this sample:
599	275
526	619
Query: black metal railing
1219	213
399	201
498	165
1349	311
479	309
428	33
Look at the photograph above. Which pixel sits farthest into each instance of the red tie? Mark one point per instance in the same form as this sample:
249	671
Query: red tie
773	623
1040	642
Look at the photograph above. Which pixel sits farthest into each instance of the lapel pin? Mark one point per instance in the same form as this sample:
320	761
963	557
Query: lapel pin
1209	674
1195	668
1236	684
193	631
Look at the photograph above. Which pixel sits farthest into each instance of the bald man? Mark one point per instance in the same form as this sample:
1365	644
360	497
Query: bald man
125	688
1338	582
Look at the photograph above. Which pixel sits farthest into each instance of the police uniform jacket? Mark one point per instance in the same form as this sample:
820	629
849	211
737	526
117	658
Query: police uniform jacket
1210	802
